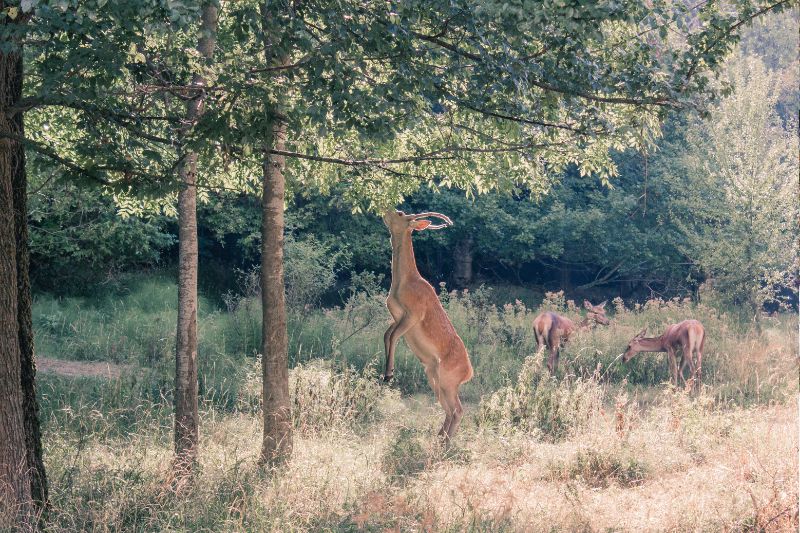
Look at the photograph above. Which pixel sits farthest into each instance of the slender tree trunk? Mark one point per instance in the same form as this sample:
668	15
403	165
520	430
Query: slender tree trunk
277	444
187	421
15	481
30	405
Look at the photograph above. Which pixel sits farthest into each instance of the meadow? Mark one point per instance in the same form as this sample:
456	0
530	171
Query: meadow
600	446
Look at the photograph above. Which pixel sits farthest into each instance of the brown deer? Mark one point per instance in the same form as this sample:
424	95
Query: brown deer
419	315
688	336
553	330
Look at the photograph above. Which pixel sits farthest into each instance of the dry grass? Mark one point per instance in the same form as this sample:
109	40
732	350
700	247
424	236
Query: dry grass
695	467
587	450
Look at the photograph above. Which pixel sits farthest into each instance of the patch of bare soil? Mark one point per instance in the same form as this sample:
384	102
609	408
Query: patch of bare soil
99	369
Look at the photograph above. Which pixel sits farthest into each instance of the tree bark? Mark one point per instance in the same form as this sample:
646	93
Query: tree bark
462	255
276	446
187	419
30	405
565	278
277	443
15	480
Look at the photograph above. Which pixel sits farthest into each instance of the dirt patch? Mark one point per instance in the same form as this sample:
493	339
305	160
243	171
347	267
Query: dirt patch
81	368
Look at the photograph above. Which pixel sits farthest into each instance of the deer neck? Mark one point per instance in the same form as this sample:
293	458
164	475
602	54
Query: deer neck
653	344
586	323
404	265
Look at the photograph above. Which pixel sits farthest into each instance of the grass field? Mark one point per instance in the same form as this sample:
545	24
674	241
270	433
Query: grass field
599	447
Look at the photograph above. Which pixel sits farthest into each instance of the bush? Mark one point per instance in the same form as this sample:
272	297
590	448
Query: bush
597	468
406	455
322	398
540	404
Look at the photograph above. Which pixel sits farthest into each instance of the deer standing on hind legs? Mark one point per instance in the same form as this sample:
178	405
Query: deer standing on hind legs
688	336
553	330
419	316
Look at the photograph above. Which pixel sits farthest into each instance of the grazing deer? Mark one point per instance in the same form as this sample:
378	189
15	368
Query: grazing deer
688	336
419	315
553	330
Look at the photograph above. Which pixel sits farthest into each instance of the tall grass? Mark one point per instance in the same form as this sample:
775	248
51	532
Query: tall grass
137	326
586	443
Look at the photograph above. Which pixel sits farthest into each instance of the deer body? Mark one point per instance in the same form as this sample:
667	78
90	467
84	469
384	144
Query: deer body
420	318
553	330
688	336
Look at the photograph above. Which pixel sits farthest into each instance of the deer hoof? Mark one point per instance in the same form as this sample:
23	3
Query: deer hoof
388	377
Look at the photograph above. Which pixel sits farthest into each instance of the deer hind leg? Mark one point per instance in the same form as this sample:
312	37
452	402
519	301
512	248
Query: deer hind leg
699	367
540	343
554	341
673	366
454	410
431	370
390	338
688	359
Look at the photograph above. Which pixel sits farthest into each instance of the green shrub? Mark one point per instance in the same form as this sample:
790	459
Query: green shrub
322	398
406	454
540	404
597	468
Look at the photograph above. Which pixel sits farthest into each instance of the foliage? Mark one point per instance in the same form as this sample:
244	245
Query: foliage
323	398
77	238
310	272
526	88
735	192
406	454
598	468
541	405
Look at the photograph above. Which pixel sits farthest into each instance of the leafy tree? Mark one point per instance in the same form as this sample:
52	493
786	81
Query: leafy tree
736	191
78	235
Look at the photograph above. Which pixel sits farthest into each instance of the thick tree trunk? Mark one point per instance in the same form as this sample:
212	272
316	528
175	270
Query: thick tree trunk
187	419
566	279
30	405
15	481
277	444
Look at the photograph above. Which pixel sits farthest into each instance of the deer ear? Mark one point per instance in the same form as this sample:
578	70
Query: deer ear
602	305
587	304
420	225
641	333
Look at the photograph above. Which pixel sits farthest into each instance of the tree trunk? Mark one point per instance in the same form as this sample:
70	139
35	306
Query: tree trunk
565	278
15	481
187	421
462	256
277	444
30	405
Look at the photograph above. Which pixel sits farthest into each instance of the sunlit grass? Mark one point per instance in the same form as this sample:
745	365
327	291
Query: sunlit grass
600	446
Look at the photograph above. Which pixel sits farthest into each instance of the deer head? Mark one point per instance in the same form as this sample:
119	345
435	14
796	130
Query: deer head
597	312
634	346
399	223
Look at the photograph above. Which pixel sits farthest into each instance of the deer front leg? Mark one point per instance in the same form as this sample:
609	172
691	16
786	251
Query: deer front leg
390	338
